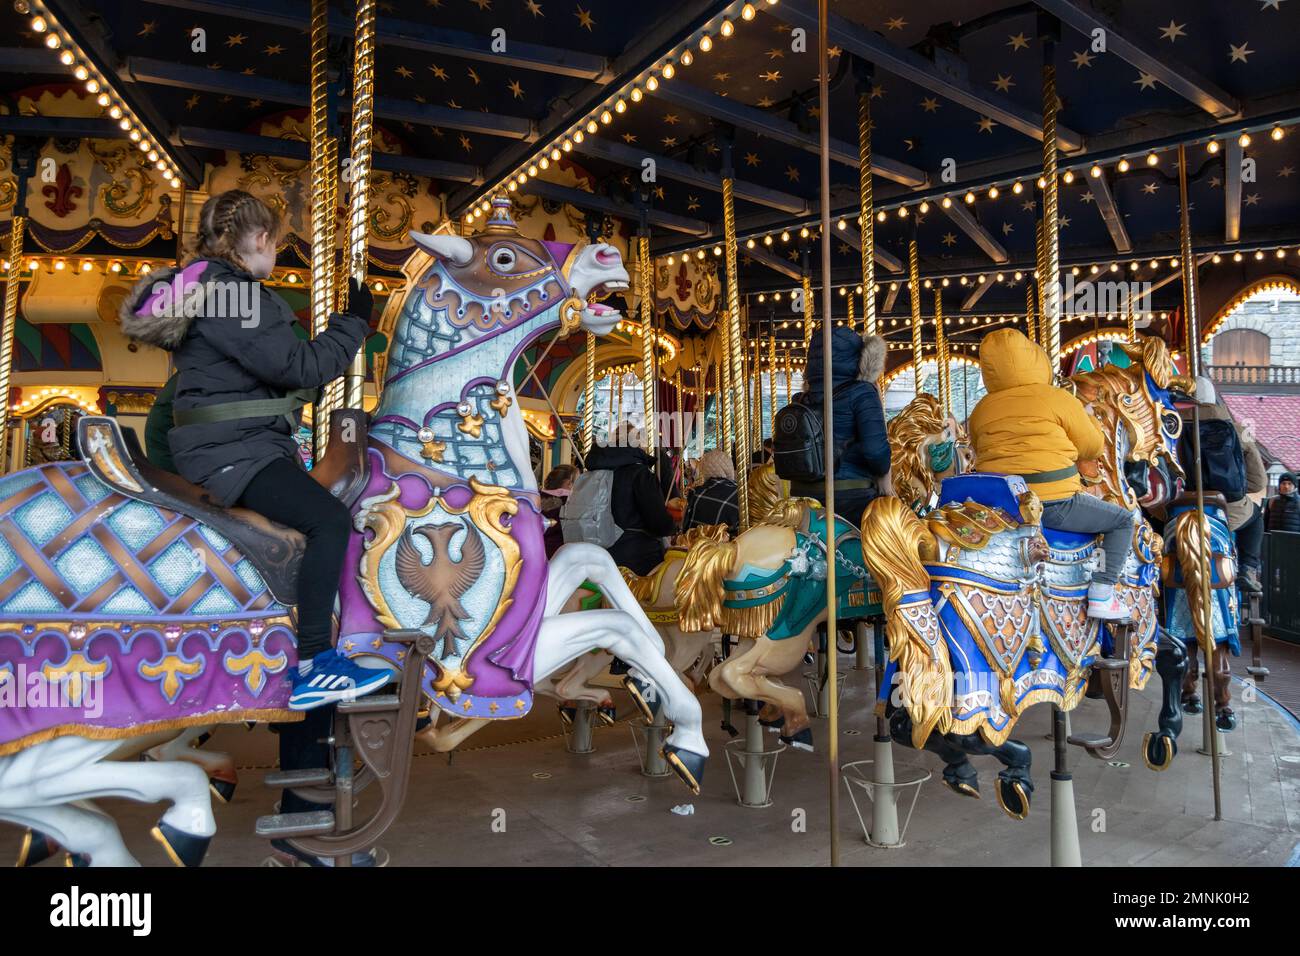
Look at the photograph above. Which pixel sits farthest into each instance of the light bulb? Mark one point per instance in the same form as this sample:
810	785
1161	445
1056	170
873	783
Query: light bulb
1123	166
726	28
706	43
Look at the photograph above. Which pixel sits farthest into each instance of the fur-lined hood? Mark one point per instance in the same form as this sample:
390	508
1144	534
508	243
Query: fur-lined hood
146	313
854	357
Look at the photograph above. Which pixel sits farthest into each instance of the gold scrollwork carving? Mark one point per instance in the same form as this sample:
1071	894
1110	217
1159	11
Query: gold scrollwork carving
115	195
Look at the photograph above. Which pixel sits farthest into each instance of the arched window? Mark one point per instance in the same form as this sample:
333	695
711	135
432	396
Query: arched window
1241	347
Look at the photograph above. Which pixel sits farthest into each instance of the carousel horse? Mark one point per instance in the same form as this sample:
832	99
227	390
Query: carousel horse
925	446
1139	470
148	610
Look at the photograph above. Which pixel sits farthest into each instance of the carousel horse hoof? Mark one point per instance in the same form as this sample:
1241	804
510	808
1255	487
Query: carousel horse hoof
423	721
730	729
223	790
607	714
689	766
809	659
1192	705
76	860
567	715
1225	719
36	847
803	740
184	849
963	788
1159	750
642	695
1013	798
1259	673
776	721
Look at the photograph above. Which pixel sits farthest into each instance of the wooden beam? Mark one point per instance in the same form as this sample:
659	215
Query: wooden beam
1232	191
883	257
682	172
911	66
968	224
975	294
782	130
1110	213
1143	54
775	263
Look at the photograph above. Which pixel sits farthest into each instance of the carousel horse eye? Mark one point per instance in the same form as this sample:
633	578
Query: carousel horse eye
503	259
506	259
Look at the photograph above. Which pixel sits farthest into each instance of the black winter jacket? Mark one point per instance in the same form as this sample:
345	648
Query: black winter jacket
1283	513
637	505
240	345
859	414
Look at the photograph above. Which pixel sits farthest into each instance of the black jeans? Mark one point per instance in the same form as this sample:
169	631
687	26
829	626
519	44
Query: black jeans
1250	537
285	493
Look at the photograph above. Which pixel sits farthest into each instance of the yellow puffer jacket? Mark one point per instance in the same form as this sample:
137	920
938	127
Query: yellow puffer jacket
1024	425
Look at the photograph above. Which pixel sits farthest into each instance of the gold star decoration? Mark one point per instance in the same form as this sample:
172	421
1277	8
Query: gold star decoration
584	19
534	8
464	142
792	174
1007	228
235	39
722	77
453	104
629	138
930	104
192	102
659	192
1029	205
438	71
404	72
515	89
877	91
1173	31
895	23
671	119
669	142
1238	54
247	71
765	102
1064	221
1087	197
949	239
1252	199
776	53
254	104
1216	182
147	29
473	76
986	125
1018	42
771	76
751	159
273	50
833	51
1145	81
692	203
1003	84
1286	172
1150	188
1082	58
482	4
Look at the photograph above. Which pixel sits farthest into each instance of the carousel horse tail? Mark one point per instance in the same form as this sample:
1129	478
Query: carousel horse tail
1191	535
698	592
891	540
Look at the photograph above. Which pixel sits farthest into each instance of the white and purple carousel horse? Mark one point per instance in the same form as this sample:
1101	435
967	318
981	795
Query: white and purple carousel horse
138	612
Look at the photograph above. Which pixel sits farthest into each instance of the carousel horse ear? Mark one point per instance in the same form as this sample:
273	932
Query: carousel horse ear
454	249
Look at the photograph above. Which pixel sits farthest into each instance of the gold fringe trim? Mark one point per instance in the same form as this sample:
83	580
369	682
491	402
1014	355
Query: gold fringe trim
754	621
91	732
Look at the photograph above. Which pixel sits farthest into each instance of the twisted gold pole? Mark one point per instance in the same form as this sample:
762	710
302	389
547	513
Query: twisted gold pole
17	226
809	312
726	401
589	400
868	220
1130	320
771	383
851	296
324	160
363	110
941	354
1031	324
1050	267
789	376
737	340
914	291
649	383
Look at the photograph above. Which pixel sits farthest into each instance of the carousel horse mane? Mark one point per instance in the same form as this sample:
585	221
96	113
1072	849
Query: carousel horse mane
764	493
921	419
698	592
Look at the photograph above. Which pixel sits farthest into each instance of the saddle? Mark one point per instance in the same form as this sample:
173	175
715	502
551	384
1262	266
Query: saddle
274	550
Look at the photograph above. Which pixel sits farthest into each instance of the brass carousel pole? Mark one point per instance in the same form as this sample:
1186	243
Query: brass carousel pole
17	226
724	399
867	223
789	373
649	383
1191	321
363	110
809	312
1031	325
914	291
1040	280
589	400
852	318
828	415
1049	268
324	160
1130	320
941	354
736	341
771	381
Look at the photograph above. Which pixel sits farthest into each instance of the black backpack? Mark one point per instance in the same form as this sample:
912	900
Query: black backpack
798	440
1223	464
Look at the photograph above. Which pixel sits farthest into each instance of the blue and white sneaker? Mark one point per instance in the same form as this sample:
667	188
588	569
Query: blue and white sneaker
328	678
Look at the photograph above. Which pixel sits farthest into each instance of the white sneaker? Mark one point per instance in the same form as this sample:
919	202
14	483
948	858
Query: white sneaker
1103	605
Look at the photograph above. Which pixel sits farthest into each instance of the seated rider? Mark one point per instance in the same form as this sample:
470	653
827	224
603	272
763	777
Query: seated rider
1025	426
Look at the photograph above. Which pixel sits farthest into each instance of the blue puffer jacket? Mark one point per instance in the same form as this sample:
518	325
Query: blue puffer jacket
859	414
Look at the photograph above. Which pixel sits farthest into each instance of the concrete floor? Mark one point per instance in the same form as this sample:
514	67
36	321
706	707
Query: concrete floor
596	810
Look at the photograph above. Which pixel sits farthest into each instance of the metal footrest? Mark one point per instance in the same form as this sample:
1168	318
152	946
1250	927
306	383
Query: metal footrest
276	825
370	704
764	764
315	777
858	777
1110	664
1089	740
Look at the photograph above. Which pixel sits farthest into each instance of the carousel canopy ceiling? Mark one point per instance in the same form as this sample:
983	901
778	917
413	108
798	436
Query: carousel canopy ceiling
471	92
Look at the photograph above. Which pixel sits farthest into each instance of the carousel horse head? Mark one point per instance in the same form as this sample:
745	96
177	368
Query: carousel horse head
926	446
1136	412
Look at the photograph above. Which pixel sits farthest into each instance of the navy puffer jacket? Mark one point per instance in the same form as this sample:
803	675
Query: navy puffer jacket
859	414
